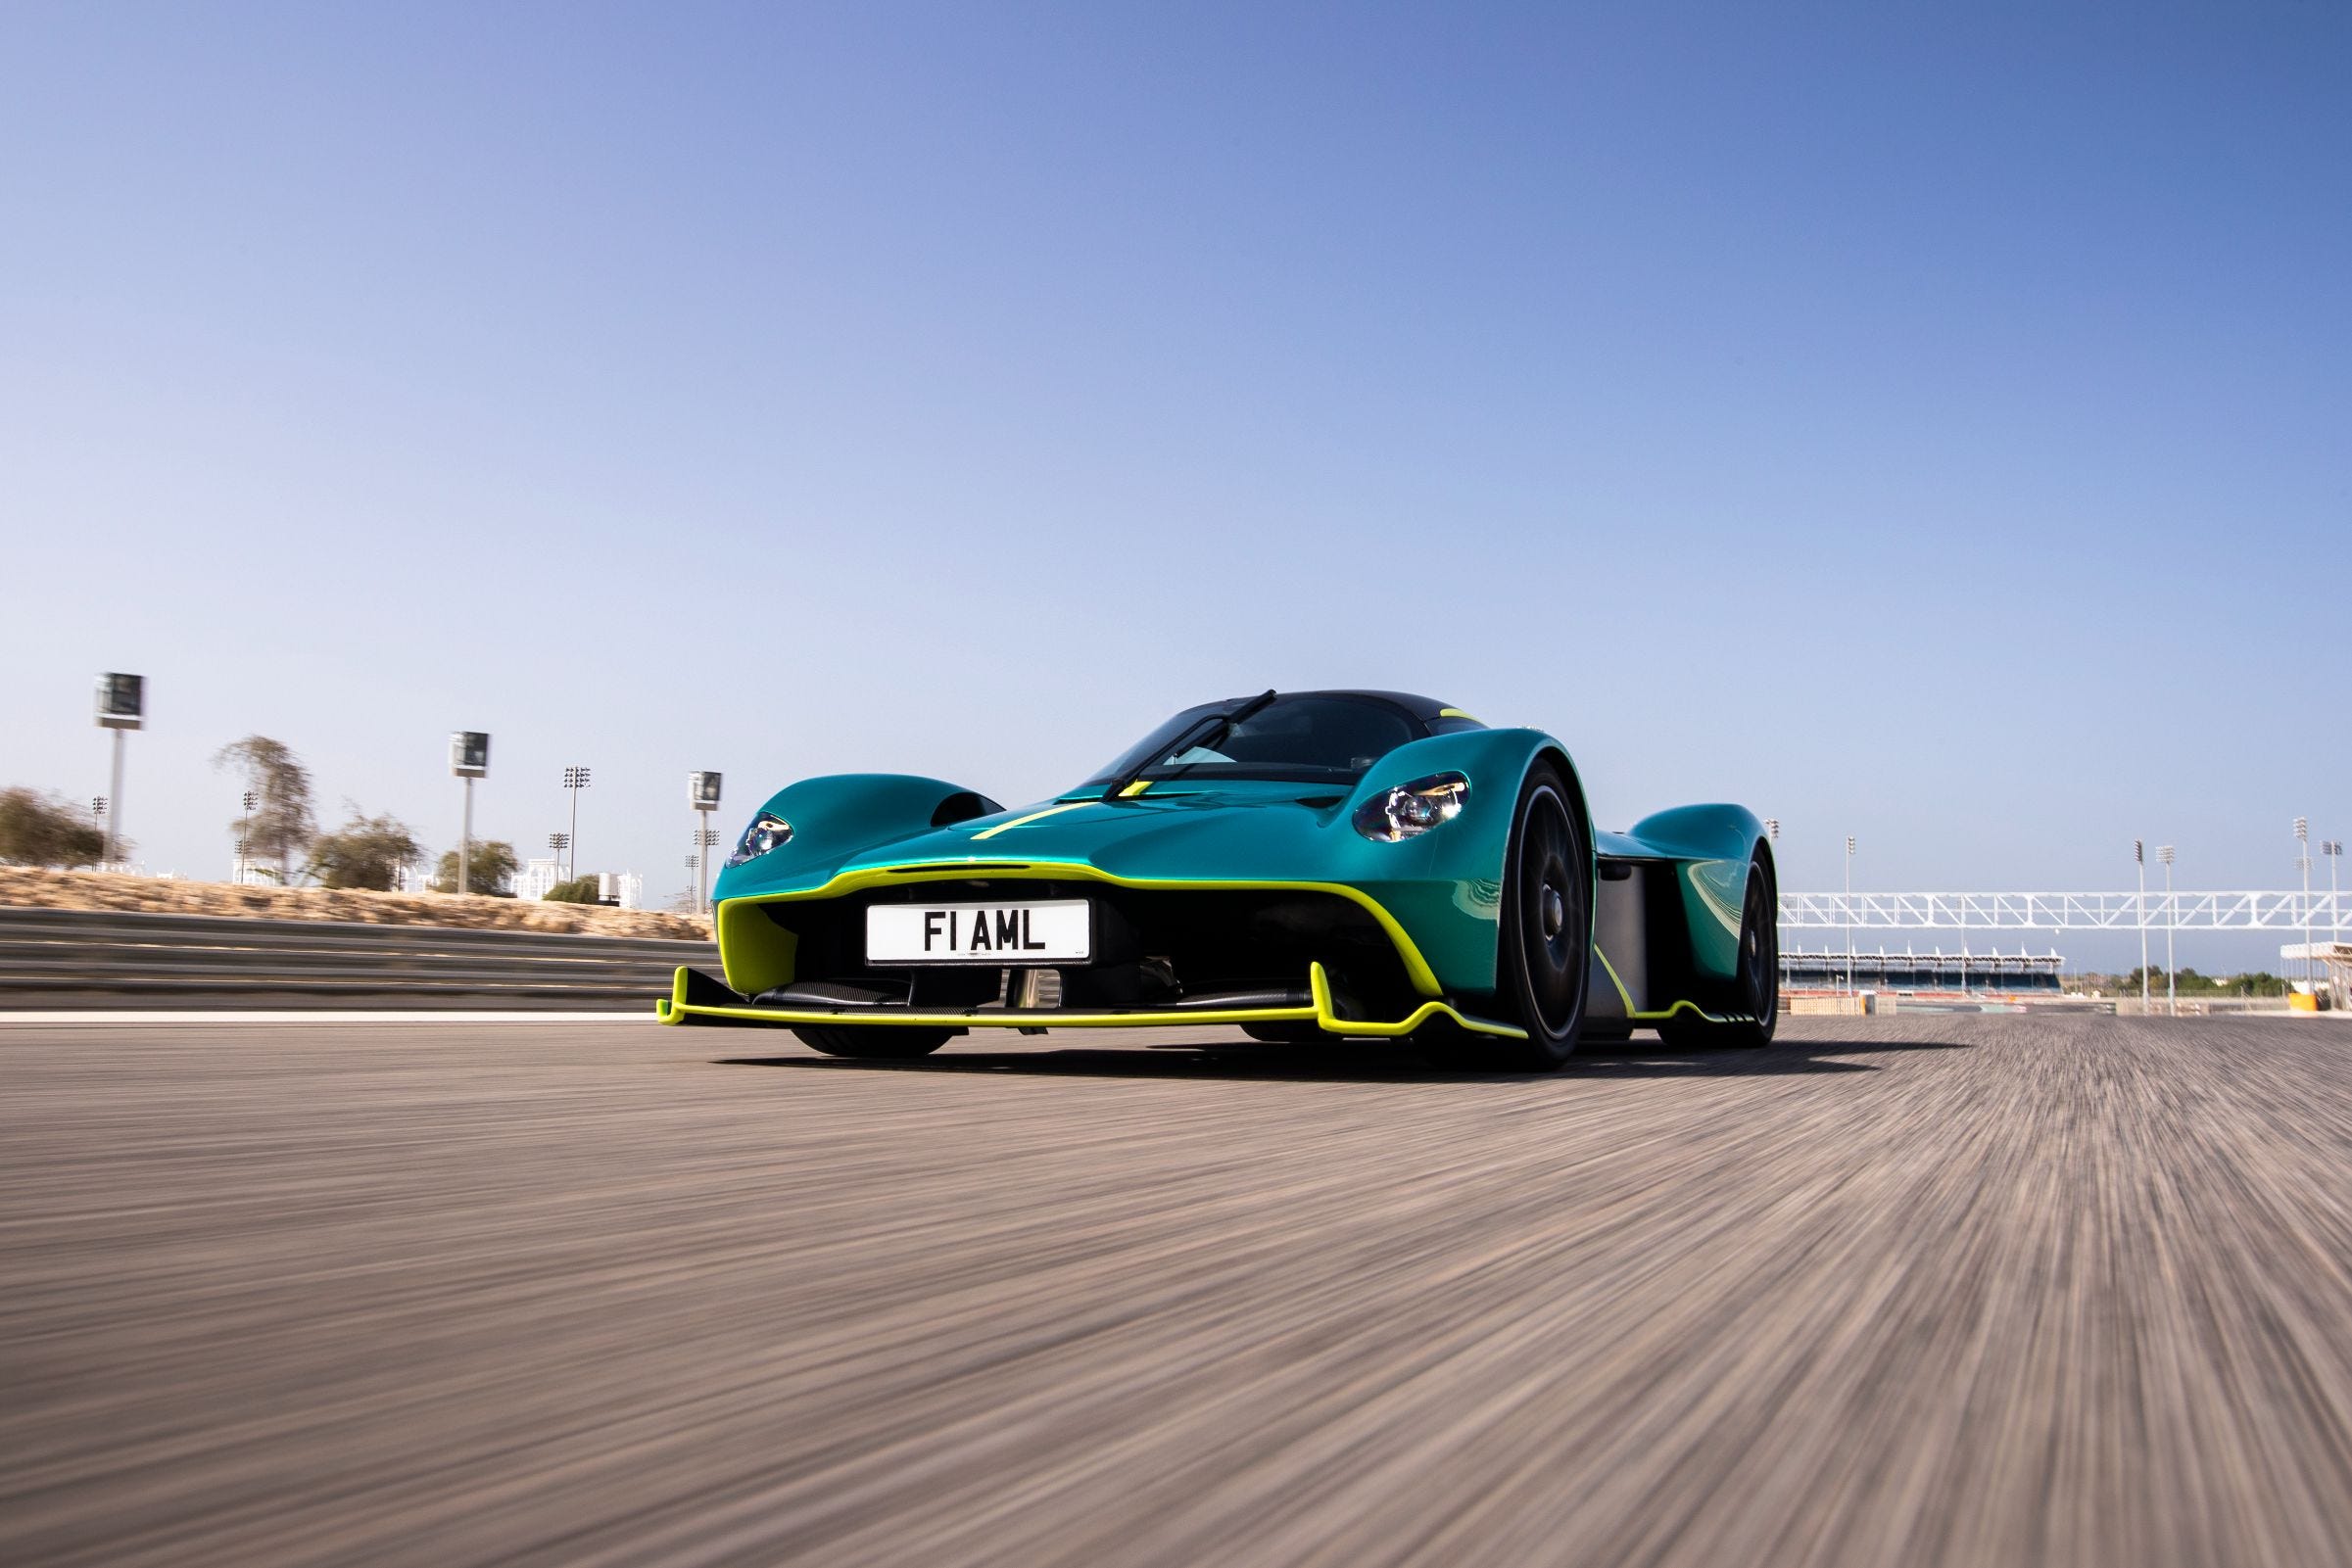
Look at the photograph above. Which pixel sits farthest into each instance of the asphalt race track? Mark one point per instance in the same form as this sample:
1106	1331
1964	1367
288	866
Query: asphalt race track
1916	1290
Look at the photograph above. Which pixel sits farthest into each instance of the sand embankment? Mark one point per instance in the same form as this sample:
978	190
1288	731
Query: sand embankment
24	887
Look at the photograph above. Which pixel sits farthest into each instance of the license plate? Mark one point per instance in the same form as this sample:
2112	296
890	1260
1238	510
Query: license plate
1055	932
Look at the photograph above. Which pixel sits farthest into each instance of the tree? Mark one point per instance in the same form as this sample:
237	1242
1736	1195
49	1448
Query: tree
281	823
37	830
486	867
365	852
579	890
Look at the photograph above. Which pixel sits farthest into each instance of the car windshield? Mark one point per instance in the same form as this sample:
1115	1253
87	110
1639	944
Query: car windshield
1303	740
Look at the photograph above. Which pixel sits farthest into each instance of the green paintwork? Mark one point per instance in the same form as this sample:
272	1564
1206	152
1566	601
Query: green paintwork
1438	894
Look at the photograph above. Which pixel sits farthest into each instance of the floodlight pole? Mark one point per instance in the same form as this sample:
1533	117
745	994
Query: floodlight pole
701	864
469	759
114	815
121	705
2333	849
2140	858
1850	914
702	793
2171	922
575	780
2303	861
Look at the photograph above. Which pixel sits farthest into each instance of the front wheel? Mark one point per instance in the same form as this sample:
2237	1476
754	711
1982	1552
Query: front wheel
1545	941
872	1042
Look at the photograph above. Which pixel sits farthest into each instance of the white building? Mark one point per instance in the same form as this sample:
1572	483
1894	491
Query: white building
537	875
420	876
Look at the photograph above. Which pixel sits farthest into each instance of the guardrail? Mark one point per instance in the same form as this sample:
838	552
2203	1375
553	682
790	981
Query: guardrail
51	958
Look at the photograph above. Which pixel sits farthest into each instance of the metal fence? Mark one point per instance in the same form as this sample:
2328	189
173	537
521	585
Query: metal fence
71	958
2322	911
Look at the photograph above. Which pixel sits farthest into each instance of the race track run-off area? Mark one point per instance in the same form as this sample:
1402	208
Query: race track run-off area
1911	1289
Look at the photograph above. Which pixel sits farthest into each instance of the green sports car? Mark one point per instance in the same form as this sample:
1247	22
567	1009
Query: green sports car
1306	864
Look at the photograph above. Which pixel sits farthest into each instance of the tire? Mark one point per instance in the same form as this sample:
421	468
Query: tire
873	1042
1544	944
1753	994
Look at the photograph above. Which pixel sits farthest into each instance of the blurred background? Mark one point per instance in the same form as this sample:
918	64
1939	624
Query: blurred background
1922	426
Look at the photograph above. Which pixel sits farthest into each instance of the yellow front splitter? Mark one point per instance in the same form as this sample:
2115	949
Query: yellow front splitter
675	1008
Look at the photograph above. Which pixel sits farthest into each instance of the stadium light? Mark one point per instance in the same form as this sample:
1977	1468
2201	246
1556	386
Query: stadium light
2172	1003
245	834
575	780
469	759
121	707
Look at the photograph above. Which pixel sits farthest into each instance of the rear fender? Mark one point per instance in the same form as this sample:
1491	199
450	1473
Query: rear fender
1711	848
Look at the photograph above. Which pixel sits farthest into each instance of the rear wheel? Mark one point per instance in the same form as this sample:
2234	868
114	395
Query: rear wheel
1544	946
1751	999
873	1043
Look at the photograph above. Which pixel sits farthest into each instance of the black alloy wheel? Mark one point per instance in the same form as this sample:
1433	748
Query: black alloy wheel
1544	946
873	1042
1760	956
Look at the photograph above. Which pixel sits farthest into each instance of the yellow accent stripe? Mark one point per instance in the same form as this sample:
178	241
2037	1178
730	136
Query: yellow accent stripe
1023	822
1457	713
1134	790
1416	968
1320	985
675	1009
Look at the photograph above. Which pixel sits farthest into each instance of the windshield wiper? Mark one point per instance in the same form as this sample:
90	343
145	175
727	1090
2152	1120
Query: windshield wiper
1195	733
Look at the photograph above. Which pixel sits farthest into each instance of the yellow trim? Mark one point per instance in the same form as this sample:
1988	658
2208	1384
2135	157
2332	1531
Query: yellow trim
754	952
1457	713
1318	985
1633	1016
1623	995
1134	790
1416	968
1023	822
675	1009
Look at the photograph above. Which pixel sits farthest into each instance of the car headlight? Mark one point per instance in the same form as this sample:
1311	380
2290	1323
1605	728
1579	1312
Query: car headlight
1412	808
766	831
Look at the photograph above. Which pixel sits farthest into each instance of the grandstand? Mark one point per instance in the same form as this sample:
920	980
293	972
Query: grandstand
1922	973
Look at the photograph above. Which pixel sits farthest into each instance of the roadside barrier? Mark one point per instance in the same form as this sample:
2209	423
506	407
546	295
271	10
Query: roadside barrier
52	957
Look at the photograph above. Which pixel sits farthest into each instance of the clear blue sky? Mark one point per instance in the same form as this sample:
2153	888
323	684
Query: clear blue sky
1932	422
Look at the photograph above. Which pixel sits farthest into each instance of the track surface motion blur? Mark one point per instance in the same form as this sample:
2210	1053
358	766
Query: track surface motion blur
1910	1290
